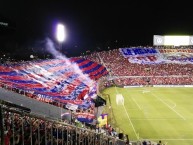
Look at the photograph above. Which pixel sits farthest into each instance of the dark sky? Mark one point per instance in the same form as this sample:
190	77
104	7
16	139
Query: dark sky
92	25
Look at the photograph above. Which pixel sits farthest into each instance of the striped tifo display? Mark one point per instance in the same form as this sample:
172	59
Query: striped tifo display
55	79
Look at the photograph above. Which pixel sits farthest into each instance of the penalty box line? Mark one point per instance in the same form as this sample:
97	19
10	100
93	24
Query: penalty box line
131	122
138	106
128	117
156	119
169	107
178	139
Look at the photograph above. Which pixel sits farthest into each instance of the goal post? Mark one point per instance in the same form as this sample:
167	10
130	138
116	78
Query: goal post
119	99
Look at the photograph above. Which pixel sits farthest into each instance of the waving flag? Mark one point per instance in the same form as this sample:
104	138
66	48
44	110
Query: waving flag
102	119
54	79
85	117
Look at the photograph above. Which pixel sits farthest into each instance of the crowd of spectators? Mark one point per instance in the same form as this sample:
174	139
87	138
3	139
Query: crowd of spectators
128	73
152	81
29	130
14	123
23	129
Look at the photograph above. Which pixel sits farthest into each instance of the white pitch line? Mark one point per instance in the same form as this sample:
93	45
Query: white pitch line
179	139
169	107
131	122
132	109
136	103
158	119
129	118
172	103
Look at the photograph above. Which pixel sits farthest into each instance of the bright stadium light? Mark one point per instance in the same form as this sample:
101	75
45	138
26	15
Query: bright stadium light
60	33
31	56
172	40
176	40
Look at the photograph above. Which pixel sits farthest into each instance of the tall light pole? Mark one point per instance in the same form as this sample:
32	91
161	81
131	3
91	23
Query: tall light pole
61	37
60	34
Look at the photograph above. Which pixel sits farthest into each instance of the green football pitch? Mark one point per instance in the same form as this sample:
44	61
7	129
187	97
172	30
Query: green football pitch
154	114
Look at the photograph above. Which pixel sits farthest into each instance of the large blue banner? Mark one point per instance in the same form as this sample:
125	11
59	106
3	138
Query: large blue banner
127	52
141	55
153	56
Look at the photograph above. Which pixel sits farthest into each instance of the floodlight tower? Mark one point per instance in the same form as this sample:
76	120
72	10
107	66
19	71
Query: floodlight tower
60	34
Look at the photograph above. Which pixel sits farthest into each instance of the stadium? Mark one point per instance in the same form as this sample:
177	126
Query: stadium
131	95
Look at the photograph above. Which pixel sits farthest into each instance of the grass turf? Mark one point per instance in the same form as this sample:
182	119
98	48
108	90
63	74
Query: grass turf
154	114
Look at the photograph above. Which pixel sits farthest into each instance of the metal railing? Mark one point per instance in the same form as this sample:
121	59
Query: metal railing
20	127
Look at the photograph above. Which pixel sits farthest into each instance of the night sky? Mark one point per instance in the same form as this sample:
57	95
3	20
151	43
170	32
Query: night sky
91	26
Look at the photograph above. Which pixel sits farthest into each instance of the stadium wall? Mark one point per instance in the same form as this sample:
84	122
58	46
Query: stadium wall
41	108
106	82
158	86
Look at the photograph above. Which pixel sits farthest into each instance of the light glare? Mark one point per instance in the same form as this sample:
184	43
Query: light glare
176	40
60	33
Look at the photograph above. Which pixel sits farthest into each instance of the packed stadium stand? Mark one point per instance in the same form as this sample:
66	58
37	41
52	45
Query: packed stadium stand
56	91
176	69
57	83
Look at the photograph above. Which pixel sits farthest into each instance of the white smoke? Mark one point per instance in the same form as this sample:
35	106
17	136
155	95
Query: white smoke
84	77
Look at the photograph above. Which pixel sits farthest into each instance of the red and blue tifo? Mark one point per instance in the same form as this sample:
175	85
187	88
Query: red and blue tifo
55	80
